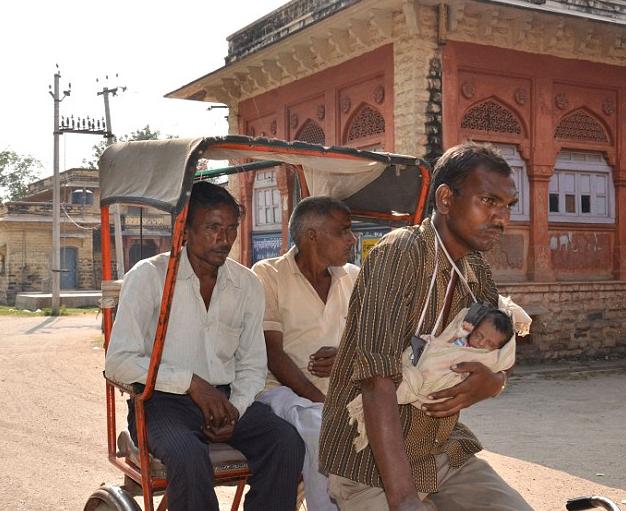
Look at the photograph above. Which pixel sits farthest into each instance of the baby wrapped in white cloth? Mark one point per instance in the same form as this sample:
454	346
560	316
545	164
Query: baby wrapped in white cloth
490	340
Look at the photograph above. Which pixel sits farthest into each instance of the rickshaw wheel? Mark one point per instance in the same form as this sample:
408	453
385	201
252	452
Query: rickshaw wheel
111	498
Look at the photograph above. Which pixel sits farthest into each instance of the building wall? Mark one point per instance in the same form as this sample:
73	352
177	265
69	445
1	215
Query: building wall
572	320
27	248
336	100
538	70
534	98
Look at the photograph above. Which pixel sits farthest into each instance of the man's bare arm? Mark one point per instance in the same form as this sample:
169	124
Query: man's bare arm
382	420
286	371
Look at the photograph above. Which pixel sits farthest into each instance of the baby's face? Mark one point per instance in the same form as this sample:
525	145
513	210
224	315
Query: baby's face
486	336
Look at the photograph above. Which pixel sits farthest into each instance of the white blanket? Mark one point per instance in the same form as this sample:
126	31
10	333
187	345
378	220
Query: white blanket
432	372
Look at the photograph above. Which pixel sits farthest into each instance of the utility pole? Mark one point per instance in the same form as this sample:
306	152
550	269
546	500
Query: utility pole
55	269
115	209
63	125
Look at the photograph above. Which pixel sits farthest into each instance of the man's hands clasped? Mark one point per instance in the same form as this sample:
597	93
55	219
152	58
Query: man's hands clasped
220	416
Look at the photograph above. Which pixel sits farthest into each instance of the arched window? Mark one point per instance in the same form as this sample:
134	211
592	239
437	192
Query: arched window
492	117
366	124
311	132
581	126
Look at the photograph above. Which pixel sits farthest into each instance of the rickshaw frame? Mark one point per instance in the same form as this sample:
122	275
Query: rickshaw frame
285	151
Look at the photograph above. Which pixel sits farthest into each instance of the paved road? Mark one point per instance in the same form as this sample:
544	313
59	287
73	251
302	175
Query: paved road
550	436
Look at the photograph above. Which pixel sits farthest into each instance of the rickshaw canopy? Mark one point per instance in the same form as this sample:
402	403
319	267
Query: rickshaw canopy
160	173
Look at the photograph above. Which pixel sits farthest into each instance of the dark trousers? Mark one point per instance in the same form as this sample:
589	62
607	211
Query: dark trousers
274	450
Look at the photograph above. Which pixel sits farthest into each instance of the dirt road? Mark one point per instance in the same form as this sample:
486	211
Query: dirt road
549	436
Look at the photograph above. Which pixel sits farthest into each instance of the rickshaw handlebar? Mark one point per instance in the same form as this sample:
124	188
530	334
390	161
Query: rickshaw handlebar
581	503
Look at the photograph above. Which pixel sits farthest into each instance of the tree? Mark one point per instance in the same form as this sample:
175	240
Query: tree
16	173
146	133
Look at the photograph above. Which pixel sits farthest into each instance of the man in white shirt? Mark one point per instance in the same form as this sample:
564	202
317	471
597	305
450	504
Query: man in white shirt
306	301
213	364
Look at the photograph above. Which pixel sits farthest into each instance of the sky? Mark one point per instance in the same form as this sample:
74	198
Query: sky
153	46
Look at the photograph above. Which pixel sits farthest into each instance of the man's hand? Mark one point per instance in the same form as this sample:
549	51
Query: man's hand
321	362
480	384
220	416
221	434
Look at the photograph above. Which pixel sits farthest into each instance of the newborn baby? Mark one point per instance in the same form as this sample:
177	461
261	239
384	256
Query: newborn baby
476	334
490	332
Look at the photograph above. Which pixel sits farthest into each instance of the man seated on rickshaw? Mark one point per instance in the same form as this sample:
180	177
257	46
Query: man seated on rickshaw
213	364
307	293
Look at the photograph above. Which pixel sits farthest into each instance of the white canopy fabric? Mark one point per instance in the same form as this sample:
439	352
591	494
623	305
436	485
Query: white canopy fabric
160	172
325	175
152	172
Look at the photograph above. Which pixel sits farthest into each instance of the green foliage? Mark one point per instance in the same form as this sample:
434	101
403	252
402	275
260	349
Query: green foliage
145	133
16	173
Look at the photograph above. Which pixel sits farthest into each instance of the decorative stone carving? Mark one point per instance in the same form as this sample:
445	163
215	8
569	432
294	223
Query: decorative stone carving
293	121
433	124
608	106
379	94
561	101
321	112
580	126
346	104
311	132
521	96
493	117
468	89
368	122
274	127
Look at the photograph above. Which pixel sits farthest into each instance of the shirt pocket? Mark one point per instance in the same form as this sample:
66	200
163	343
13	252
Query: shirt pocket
227	340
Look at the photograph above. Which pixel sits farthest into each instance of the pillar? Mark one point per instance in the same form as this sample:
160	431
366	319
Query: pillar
539	259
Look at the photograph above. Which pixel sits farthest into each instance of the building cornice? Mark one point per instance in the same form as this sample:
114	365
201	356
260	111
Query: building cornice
368	24
357	29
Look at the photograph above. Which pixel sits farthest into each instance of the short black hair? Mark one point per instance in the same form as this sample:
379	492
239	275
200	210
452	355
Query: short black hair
457	162
310	208
209	195
501	322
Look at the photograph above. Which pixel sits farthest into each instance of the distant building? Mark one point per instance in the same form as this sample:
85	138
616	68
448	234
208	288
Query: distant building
26	236
545	80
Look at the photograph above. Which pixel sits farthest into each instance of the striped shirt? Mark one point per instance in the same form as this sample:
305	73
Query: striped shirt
388	298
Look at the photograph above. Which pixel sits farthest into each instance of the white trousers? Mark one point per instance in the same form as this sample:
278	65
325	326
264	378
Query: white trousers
306	417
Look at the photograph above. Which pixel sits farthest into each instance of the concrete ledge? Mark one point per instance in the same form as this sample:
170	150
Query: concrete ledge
34	301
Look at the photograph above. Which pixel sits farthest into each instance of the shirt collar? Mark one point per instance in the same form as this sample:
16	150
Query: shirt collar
225	275
335	271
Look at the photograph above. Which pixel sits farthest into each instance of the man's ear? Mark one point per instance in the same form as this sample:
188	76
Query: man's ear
443	199
310	234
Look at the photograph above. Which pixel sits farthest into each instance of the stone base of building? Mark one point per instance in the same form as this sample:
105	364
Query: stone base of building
571	320
34	301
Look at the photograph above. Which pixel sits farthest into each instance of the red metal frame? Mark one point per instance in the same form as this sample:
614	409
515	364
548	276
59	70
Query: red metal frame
142	474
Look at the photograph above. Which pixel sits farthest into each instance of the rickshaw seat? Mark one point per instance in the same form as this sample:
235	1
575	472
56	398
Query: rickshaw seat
225	459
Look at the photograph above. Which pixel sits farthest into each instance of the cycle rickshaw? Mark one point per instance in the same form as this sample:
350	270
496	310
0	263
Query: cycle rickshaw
385	188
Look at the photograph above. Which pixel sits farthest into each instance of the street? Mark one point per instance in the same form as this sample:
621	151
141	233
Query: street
551	435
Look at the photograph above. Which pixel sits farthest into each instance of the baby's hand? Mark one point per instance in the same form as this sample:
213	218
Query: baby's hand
468	326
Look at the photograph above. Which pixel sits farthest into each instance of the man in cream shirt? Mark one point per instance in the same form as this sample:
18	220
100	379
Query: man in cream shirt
212	367
306	301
